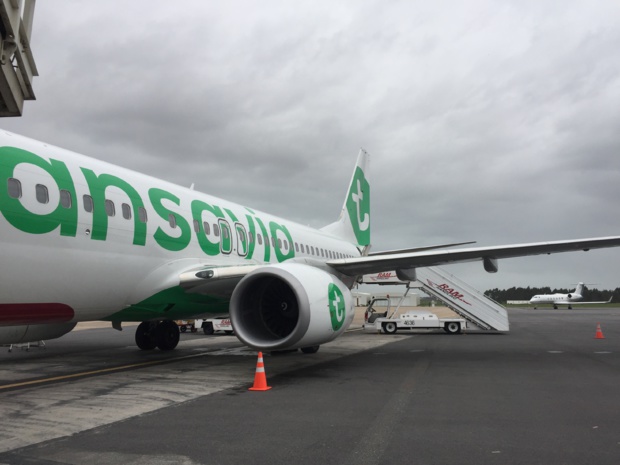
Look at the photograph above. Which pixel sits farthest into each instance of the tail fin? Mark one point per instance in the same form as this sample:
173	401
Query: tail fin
353	224
579	289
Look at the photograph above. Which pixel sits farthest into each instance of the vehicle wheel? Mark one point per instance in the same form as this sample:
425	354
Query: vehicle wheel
390	327
166	335
310	350
144	336
452	327
208	328
183	329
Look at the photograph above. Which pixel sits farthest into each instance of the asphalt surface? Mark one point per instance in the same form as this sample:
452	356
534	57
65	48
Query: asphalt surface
545	393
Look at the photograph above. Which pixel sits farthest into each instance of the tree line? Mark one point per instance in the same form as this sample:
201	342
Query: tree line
526	293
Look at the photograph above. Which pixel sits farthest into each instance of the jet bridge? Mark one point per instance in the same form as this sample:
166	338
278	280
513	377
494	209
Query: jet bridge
459	296
17	67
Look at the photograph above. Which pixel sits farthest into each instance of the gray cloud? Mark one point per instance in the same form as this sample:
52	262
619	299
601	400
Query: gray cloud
489	121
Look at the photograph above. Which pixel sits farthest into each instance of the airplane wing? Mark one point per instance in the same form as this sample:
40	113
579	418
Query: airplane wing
390	261
221	280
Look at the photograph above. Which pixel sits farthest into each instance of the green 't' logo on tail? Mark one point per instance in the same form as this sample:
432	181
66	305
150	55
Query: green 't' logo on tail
336	306
358	207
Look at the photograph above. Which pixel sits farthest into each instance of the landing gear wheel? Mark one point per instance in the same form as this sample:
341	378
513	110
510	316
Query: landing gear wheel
166	335
144	339
310	350
183	328
230	333
207	328
390	327
452	328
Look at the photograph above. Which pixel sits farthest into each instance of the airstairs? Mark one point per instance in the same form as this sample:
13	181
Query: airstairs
459	296
462	298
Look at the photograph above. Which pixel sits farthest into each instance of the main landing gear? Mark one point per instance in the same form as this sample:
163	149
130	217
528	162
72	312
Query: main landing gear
161	334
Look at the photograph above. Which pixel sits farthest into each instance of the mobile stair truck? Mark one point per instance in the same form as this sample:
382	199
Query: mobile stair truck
480	312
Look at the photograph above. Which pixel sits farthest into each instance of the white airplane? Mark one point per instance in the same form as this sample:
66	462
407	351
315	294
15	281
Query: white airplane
570	299
84	240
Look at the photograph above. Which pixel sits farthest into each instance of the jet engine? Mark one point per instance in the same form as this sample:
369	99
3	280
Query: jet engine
288	306
33	333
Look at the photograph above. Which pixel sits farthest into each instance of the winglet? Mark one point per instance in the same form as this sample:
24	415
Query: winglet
353	224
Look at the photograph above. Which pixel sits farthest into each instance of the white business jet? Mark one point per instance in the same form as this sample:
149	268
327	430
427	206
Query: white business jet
570	299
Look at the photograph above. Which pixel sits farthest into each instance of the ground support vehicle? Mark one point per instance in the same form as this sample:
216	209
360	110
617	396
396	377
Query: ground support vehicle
220	323
413	319
186	325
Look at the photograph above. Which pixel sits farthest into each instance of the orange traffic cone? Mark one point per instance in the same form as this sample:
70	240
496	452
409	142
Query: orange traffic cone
260	380
599	332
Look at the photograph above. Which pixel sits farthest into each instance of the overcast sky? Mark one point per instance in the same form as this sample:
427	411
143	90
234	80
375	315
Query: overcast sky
486	120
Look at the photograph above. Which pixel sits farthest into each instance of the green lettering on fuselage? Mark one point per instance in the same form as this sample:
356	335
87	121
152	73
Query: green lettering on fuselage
97	186
66	218
252	241
208	247
280	255
22	218
261	225
165	240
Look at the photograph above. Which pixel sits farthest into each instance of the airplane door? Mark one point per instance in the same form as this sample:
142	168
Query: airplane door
242	240
226	237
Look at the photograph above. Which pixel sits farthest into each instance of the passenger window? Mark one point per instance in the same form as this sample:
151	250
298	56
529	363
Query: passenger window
65	198
251	237
216	230
296	247
42	194
196	226
109	207
88	203
280	244
206	227
273	242
126	211
260	239
172	220
14	188
142	214
225	233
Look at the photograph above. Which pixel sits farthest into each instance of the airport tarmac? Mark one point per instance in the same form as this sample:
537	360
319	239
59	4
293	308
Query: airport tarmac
547	392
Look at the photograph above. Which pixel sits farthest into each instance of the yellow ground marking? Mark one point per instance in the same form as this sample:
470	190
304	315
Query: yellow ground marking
95	372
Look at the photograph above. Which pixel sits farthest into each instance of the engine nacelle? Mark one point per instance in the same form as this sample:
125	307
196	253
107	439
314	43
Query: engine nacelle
33	333
288	306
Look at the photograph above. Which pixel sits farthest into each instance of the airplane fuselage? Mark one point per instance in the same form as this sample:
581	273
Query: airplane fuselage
556	299
79	228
